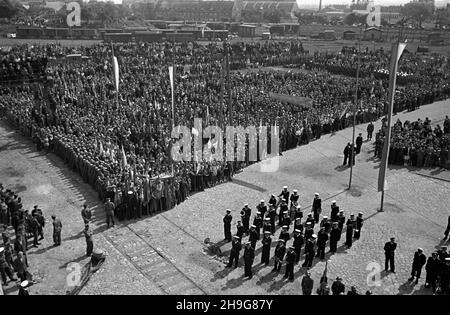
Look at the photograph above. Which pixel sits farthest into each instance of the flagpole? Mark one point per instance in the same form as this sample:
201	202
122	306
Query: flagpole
353	151
392	79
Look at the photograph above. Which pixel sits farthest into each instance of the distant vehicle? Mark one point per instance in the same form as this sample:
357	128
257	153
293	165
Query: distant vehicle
11	35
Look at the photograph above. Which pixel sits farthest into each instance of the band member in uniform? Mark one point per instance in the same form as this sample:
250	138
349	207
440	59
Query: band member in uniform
266	225
290	261
283	209
266	242
432	269
417	265
316	207
272	214
349	233
280	251
227	225
273	201
258	223
284	194
298	225
294	199
341	220
239	229
389	254
310	219
309	231
246	219
234	253
335	236
253	236
249	257
286	219
325	223
298	244
262	208
334	211
310	251
322	239
284	234
359	225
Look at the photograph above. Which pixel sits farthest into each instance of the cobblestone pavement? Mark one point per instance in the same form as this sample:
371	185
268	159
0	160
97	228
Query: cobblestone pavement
166	253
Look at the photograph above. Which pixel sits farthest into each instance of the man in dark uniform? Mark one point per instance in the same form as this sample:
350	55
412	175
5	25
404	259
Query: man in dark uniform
389	253
335	236
310	219
298	244
298	225
290	261
227	225
309	231
359	225
23	288
266	243
322	239
249	256
341	220
272	214
245	216
283	209
239	229
258	223
294	198
317	207
5	269
57	228
234	253
286	219
280	251
89	241
325	223
273	201
418	262
262	208
346	153
284	234
253	236
284	194
359	143
310	251
432	269
351	223
334	211
37	213
338	287
266	225
370	129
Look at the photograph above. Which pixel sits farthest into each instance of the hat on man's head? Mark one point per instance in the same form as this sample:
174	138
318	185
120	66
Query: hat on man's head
24	284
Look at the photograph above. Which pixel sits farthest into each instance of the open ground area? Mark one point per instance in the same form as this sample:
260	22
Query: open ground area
166	253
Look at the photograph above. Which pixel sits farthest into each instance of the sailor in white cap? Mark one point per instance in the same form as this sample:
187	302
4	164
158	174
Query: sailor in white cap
283	208
273	200
280	251
325	223
271	215
266	225
254	235
286	219
309	251
262	208
284	194
419	261
246	214
334	211
249	256
298	212
310	219
23	288
290	261
294	198
258	222
227	225
234	253
266	243
358	225
317	207
284	234
298	244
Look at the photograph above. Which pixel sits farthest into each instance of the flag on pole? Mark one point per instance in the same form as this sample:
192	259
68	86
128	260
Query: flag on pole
397	50
124	158
172	88
116	70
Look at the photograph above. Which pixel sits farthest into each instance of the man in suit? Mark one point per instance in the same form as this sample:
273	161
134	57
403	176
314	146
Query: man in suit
370	129
389	253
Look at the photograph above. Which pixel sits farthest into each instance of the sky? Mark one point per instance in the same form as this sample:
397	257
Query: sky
310	3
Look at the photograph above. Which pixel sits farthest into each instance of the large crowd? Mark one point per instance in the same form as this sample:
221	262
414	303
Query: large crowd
79	116
417	143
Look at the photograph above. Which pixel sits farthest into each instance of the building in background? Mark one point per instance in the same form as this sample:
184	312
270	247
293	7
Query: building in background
286	8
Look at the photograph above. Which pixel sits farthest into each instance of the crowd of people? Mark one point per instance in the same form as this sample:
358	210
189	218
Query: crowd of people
120	142
417	143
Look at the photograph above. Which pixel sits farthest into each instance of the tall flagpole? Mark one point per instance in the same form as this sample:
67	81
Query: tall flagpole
395	55
353	151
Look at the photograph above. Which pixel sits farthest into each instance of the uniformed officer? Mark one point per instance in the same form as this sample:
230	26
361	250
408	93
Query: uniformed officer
359	143
5	269
245	217
310	251
310	219
23	288
280	251
432	269
109	210
298	213
272	214
335	236
358	225
258	222
298	244
298	225
325	223
317	207
338	287
341	220
234	253
266	225
283	209
284	234
89	241
286	220
249	256
294	198
266	243
273	201
227	225
334	211
284	193
418	262
389	253
322	239
290	261
253	236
